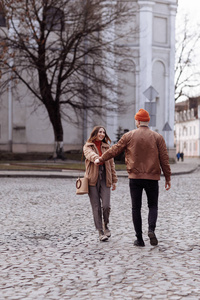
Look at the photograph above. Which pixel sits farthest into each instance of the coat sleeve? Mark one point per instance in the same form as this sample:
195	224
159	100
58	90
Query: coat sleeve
113	171
89	153
164	159
115	149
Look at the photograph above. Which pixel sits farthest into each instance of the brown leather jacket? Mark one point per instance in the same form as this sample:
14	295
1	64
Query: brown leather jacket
92	171
145	154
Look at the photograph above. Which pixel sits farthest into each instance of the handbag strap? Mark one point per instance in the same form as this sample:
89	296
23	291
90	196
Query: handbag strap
80	166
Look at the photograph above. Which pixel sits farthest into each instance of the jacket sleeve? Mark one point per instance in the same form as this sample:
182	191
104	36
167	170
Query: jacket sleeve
113	171
115	149
90	154
164	159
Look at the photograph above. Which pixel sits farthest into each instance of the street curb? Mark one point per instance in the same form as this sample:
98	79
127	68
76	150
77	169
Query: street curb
183	173
68	176
37	176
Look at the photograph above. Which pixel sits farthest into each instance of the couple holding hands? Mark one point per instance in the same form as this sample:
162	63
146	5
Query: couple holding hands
145	155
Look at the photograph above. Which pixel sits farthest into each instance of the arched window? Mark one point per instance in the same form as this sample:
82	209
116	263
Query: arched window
54	19
127	84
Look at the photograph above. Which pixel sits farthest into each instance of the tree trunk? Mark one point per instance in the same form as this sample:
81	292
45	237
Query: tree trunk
53	109
58	150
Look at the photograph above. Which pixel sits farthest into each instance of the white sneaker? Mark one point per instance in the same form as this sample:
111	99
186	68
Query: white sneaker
102	236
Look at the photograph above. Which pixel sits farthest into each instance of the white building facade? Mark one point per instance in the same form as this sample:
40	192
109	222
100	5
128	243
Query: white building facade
187	127
24	130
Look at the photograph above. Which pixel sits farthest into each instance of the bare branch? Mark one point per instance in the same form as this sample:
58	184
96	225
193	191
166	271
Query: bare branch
64	51
187	67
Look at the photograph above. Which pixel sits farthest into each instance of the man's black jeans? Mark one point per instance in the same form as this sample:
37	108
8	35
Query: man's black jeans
152	190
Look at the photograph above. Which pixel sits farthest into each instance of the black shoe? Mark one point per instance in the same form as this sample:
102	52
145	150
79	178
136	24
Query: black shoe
153	238
139	243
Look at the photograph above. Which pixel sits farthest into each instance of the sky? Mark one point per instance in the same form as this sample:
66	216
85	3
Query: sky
189	7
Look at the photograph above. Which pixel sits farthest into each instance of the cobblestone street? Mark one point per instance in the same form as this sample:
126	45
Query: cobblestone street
50	248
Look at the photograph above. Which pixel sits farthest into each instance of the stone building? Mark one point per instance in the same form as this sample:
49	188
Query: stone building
152	71
187	127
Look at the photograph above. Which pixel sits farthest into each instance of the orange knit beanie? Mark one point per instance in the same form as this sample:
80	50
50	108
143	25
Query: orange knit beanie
142	115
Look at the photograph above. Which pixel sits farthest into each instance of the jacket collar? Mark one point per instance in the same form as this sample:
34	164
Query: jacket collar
93	144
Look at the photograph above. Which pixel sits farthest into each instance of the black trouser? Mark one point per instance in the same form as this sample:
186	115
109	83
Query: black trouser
152	190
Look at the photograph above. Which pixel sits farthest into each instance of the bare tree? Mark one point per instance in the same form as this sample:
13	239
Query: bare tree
63	52
187	66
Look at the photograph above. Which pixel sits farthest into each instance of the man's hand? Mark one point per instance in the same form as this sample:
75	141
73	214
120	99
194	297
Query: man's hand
114	186
167	185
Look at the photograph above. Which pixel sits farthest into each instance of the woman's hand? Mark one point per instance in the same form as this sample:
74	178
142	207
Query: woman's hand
114	186
96	162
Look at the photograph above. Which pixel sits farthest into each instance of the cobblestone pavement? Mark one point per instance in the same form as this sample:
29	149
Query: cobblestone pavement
49	248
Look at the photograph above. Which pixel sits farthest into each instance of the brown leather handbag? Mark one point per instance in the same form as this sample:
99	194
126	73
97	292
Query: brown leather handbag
82	186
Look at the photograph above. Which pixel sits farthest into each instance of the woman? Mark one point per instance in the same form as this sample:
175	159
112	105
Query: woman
101	178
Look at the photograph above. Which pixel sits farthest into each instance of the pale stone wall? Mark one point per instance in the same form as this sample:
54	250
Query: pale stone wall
187	132
4	126
153	65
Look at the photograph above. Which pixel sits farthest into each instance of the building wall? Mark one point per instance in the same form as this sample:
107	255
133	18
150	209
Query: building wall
187	137
4	126
153	49
157	21
187	132
126	120
154	52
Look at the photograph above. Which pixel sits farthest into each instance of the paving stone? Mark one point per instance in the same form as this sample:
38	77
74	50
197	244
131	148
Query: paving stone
50	248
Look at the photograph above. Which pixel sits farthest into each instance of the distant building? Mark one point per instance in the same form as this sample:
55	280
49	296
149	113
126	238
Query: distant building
187	127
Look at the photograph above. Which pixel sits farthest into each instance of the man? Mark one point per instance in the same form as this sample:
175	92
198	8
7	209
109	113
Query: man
145	155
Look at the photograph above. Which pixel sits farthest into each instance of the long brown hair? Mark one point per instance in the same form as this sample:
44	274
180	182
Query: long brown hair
93	135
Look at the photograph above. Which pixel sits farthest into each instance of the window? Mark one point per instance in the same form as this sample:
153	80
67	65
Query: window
181	145
194	130
2	17
54	19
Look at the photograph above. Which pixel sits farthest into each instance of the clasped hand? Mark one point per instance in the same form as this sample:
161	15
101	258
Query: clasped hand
97	161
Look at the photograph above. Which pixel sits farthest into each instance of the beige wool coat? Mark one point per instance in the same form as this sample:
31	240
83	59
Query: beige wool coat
92	171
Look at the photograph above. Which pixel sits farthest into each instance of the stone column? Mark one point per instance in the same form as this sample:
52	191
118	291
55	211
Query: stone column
145	46
171	100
